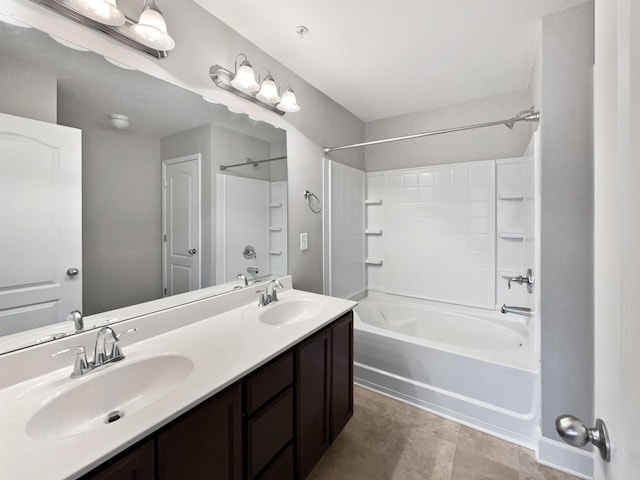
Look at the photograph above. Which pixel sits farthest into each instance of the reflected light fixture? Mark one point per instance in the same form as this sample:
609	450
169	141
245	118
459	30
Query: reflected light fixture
264	92
149	34
121	122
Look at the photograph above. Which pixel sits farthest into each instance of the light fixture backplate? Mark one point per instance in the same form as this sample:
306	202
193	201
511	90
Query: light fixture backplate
120	33
221	75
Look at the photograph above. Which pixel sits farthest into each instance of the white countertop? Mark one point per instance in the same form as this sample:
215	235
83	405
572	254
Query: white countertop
223	347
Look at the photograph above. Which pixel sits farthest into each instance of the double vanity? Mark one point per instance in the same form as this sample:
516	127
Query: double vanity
218	388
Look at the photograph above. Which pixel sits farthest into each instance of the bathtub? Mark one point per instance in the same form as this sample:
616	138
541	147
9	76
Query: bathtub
474	366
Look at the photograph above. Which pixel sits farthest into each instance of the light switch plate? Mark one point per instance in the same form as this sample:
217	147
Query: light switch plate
304	241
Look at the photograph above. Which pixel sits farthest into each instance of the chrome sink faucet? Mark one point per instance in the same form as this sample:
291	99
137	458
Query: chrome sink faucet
269	295
107	350
243	279
75	316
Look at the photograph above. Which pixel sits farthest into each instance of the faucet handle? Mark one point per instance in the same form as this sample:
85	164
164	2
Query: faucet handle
81	365
273	285
131	330
263	299
116	351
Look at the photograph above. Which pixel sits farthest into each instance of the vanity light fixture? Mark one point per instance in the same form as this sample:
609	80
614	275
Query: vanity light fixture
288	103
151	29
264	92
244	78
268	90
102	11
148	34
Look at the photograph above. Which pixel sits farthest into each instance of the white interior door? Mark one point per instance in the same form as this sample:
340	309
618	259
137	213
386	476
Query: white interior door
181	224
617	230
40	223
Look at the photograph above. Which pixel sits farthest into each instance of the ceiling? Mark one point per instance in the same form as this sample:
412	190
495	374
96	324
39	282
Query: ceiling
381	59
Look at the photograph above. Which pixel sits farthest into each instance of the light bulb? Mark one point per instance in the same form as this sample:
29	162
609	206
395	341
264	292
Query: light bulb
102	11
288	102
268	92
151	29
245	79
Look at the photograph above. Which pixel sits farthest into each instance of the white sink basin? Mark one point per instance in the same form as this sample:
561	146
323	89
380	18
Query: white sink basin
287	311
122	388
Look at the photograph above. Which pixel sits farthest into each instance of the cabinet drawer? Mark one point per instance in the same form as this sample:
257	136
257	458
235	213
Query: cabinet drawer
281	468
269	431
267	382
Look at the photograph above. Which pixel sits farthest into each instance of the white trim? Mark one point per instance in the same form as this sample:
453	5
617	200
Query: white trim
565	458
326	226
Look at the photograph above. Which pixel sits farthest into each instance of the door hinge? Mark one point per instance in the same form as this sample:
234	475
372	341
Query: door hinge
165	237
165	291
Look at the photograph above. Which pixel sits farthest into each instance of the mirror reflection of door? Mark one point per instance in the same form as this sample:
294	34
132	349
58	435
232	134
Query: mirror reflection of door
41	222
181	224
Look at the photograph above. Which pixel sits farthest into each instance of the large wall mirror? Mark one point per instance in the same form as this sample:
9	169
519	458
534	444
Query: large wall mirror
154	216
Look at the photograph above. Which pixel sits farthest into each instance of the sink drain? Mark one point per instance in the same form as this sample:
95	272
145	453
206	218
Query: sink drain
114	416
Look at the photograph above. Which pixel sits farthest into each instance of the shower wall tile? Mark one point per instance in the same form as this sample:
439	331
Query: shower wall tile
439	233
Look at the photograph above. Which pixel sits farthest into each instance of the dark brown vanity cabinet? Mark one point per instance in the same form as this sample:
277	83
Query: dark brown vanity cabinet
324	391
137	464
205	443
269	420
274	424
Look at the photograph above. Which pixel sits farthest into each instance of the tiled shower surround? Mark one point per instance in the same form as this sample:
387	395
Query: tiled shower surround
437	237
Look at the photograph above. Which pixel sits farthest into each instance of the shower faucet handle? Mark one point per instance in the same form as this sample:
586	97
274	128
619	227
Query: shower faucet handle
528	280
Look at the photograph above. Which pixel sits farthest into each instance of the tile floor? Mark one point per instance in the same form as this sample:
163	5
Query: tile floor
390	440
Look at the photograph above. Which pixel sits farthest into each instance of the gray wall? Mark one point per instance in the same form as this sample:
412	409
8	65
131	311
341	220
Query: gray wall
121	212
26	94
198	140
480	144
566	278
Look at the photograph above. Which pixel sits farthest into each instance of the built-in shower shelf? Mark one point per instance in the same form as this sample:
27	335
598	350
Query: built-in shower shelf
275	229
512	235
275	205
509	273
373	231
373	261
511	196
275	252
373	201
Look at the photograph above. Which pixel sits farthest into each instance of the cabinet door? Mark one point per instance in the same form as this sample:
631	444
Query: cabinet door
312	401
341	374
206	443
138	464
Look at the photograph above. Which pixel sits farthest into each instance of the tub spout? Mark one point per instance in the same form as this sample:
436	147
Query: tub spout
517	310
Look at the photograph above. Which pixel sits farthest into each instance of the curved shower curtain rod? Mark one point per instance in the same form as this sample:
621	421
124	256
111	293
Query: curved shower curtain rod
524	116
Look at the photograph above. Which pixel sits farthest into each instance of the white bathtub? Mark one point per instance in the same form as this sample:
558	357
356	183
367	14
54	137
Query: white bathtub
466	364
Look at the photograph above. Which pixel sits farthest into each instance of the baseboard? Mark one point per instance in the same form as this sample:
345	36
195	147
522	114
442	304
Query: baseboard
564	457
356	297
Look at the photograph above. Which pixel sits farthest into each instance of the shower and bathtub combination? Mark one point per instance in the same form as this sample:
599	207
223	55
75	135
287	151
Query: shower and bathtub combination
432	254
